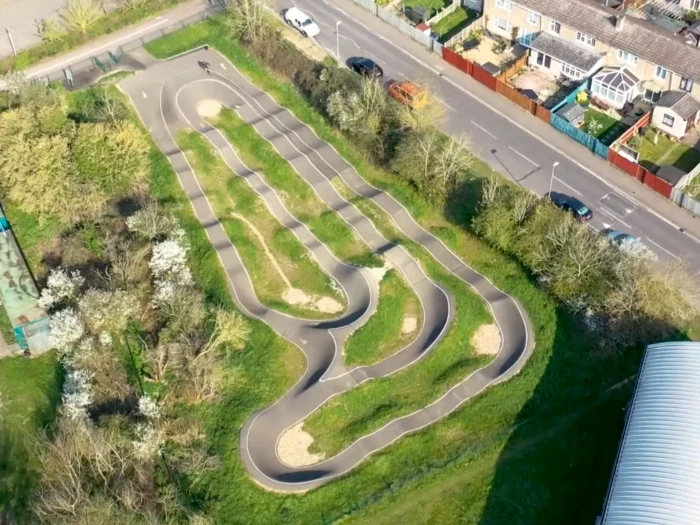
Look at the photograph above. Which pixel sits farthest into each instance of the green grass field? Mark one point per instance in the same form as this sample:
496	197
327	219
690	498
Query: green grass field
537	449
667	152
29	394
296	194
246	218
383	334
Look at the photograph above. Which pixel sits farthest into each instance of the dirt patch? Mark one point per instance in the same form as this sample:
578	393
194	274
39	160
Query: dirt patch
327	305
209	108
487	340
409	325
293	447
378	273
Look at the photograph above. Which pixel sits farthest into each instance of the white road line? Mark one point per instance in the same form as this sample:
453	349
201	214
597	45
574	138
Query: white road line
613	215
404	76
484	130
144	94
523	156
664	249
96	50
223	66
571	188
447	105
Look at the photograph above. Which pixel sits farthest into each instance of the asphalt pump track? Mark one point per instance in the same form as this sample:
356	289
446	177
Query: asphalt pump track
168	96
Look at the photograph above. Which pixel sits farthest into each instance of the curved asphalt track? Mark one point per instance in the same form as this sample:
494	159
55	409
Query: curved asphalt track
167	95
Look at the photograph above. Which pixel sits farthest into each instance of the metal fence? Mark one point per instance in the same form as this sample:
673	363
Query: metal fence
686	201
370	5
405	27
109	60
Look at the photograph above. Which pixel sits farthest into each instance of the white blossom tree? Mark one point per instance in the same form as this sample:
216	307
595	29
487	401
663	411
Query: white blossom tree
60	286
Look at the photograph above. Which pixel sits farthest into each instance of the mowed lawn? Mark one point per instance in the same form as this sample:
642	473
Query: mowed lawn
666	152
536	449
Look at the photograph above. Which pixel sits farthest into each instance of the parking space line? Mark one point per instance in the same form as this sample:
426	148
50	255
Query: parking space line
571	188
484	130
523	156
613	215
664	249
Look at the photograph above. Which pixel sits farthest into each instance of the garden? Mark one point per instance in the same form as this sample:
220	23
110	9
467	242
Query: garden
546	438
656	149
454	23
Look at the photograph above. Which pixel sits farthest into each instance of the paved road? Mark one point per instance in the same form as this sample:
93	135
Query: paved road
167	96
522	156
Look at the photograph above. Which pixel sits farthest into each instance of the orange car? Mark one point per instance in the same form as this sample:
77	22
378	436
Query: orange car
408	94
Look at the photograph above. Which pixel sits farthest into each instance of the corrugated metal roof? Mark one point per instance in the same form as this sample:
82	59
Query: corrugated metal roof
656	480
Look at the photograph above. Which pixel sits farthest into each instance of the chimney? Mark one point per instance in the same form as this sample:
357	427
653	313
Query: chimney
619	22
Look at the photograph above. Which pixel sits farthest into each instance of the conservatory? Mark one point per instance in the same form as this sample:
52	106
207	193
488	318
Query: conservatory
615	86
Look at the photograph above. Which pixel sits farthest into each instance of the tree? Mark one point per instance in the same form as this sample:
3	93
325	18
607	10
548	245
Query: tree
50	30
79	15
426	117
432	161
248	20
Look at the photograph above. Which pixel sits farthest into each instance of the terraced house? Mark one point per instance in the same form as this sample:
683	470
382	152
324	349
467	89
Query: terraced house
630	51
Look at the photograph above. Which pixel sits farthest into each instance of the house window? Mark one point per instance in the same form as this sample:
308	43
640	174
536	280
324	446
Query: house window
627	57
686	85
695	5
503	24
652	96
668	120
571	71
585	39
504	4
534	19
662	72
555	27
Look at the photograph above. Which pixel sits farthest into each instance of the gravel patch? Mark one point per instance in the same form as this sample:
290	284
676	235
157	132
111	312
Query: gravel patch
409	325
487	340
293	447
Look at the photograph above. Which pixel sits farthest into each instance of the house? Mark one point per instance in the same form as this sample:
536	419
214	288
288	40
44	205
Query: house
675	113
656	476
574	38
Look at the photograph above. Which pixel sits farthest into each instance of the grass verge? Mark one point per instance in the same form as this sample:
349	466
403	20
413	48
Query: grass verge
274	258
561	481
296	194
29	394
383	335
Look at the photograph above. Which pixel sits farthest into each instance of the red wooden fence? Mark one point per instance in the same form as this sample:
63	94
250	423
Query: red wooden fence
657	184
640	173
515	96
484	77
543	113
633	130
457	60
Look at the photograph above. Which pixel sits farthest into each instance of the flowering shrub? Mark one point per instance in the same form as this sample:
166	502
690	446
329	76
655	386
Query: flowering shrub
66	330
60	286
108	311
149	407
77	395
169	269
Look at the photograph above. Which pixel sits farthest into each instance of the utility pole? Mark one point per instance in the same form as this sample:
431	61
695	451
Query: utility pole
12	43
551	179
337	42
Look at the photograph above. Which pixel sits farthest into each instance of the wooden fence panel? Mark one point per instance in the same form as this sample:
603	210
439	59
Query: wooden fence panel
515	96
456	60
543	113
512	70
644	121
624	164
484	77
656	183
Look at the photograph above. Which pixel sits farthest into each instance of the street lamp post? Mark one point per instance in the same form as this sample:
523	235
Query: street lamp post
551	179
337	41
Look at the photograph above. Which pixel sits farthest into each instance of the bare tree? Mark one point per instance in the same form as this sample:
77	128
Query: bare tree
79	15
248	19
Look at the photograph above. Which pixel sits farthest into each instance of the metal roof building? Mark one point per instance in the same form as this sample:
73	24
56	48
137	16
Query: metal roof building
656	479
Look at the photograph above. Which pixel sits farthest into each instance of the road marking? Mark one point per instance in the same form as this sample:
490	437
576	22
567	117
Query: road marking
613	215
303	341
447	105
664	249
96	50
222	66
485	131
571	188
523	156
144	94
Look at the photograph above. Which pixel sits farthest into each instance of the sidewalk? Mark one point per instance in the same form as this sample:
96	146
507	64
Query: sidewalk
587	160
112	41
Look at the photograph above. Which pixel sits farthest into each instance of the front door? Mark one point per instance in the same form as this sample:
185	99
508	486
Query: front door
544	60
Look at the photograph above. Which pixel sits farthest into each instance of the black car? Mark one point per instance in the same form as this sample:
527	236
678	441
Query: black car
365	67
579	210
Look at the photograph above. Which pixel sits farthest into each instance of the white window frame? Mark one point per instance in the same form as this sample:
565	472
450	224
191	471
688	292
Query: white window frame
571	71
661	72
627	57
534	19
555	27
506	5
509	26
668	117
585	39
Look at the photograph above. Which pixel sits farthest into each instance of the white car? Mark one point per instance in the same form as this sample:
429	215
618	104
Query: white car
301	21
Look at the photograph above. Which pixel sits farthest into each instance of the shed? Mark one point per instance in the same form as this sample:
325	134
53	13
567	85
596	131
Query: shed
676	112
656	477
572	113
